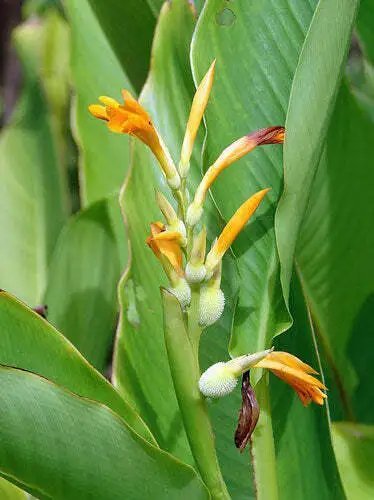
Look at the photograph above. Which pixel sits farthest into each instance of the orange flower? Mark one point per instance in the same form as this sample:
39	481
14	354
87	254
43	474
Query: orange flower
166	244
232	229
221	378
295	373
239	148
131	118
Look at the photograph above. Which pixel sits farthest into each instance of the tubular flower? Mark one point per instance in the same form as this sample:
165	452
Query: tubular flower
270	135
131	118
166	244
232	229
297	374
199	104
220	379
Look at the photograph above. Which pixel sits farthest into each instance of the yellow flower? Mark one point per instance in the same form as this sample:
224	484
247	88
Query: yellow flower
297	374
166	244
131	118
199	104
232	229
270	135
221	378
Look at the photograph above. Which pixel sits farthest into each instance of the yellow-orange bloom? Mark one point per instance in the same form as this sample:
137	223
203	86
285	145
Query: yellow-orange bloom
199	104
221	378
232	229
167	244
239	148
295	373
131	118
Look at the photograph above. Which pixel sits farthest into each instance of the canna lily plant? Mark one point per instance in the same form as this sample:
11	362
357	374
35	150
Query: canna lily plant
193	299
169	286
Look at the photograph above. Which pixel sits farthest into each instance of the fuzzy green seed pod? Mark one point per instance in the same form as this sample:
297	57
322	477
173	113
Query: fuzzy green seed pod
182	292
217	381
212	304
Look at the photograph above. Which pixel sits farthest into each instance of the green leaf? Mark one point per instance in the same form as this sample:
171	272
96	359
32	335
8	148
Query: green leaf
129	28
257	45
354	446
32	197
317	76
95	71
81	294
9	491
46	352
75	448
140	354
254	93
334	257
364	26
305	462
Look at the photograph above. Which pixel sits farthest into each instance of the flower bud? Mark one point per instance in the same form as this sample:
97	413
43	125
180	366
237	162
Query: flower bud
195	269
194	213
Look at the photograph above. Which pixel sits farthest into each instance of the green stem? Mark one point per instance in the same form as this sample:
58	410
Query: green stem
194	329
185	371
262	447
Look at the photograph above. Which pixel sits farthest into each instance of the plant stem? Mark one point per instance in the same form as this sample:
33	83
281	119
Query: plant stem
185	371
262	447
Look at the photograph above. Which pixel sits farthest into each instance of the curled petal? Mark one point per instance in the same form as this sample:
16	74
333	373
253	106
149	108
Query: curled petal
297	374
166	244
239	148
131	118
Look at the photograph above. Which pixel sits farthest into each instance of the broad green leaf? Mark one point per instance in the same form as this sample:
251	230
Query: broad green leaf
32	206
140	353
46	352
305	462
141	369
81	293
354	446
78	449
334	255
9	491
317	76
365	20
95	71
254	93
257	45
129	28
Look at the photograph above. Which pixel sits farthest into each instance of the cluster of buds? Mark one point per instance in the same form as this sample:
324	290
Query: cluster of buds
180	241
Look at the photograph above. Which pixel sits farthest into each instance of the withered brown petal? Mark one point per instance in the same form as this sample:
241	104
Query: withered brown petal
248	416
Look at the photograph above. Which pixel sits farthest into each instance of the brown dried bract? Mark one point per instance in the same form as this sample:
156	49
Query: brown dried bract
248	416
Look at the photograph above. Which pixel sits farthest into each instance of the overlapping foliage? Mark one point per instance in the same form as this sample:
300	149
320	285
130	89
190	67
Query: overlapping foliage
300	276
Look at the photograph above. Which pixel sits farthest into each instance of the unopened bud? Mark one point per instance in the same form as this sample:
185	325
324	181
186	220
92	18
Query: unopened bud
174	181
194	213
195	268
166	208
